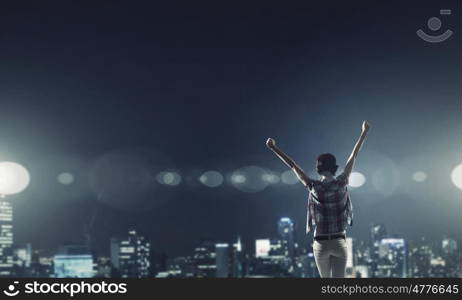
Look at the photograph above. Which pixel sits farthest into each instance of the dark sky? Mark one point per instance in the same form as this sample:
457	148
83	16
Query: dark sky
100	87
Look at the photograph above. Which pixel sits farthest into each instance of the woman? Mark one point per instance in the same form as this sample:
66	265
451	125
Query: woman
329	206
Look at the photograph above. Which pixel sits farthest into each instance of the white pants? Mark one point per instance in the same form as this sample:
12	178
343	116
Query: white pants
331	257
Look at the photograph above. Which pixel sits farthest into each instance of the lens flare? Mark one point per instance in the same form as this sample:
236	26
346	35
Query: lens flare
14	178
249	179
271	178
65	178
169	178
456	176
289	177
211	179
419	176
356	179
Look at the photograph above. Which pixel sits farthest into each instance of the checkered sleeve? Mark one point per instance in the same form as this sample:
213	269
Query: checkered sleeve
343	179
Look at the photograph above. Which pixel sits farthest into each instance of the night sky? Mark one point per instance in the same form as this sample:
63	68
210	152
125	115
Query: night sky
116	91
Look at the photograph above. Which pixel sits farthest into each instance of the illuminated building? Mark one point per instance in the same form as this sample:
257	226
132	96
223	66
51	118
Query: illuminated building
378	232
262	248
222	260
73	261
238	268
437	267
420	261
131	255
103	267
287	235
41	264
270	259
6	238
114	250
22	258
392	258
205	259
449	246
182	267
452	257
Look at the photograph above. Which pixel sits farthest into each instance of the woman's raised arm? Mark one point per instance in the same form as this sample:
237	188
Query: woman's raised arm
301	175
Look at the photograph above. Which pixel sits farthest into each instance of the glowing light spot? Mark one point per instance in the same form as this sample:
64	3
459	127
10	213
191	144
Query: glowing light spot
238	178
356	179
289	177
211	179
169	178
456	176
14	178
249	179
66	178
271	178
419	176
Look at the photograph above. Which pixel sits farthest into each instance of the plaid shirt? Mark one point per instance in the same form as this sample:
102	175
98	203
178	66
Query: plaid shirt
329	206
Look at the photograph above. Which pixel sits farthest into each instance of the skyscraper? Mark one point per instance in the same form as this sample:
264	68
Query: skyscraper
222	260
115	252
182	267
262	247
205	259
393	258
449	246
22	255
22	258
131	254
6	238
451	256
287	235
378	232
238	269
271	260
421	256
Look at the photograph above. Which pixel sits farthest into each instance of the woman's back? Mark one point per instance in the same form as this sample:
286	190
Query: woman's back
329	205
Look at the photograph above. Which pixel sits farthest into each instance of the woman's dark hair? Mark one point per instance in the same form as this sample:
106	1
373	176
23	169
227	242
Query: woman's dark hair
326	162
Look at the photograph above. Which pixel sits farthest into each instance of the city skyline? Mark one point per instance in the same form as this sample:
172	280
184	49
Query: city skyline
299	226
133	256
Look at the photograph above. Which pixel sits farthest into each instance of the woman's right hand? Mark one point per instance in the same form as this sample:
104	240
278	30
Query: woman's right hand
270	143
366	126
